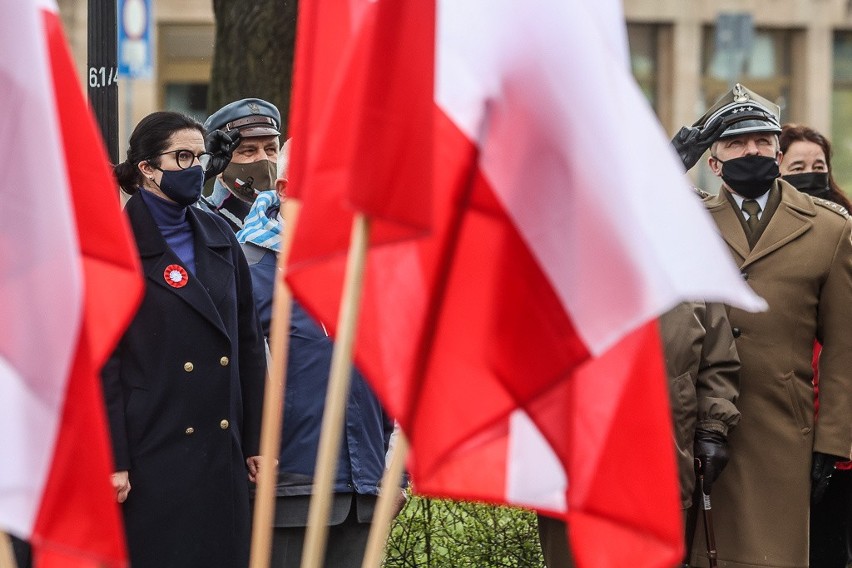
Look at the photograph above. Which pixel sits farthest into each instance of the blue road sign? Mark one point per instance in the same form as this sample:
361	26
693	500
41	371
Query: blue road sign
134	38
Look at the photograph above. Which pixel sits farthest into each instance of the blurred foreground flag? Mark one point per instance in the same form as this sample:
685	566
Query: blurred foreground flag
529	223
69	284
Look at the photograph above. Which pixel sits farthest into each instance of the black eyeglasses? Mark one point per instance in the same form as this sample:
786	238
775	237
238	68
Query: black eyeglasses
186	158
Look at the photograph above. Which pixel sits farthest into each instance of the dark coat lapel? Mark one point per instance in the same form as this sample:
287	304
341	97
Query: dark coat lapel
156	256
212	256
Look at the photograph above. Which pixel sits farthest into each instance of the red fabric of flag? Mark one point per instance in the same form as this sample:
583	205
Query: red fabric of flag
514	341
68	511
79	521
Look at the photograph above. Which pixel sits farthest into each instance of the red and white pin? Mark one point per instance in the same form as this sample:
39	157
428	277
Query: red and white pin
176	276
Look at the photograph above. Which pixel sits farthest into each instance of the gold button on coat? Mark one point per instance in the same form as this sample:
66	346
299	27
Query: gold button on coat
189	431
224	424
188	366
224	361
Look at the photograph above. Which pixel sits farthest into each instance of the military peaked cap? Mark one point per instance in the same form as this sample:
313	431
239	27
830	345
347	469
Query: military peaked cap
252	117
744	111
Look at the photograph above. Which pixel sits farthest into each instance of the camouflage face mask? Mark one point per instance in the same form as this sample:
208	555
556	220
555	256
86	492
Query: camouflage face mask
247	180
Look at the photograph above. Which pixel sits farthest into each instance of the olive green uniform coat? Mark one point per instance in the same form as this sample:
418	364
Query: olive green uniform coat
802	266
703	373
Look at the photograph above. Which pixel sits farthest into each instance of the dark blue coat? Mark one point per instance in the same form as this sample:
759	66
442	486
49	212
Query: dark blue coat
367	427
184	395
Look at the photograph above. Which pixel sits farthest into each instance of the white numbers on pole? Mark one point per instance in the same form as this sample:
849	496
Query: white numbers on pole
102	77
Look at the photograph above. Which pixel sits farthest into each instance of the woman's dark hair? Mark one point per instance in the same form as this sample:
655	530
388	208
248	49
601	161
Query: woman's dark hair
800	133
149	139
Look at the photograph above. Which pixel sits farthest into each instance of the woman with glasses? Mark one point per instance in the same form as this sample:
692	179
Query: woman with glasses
185	384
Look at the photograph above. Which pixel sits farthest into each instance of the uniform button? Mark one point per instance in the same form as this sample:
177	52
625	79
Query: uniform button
188	366
745	275
224	361
737	332
806	430
189	431
224	424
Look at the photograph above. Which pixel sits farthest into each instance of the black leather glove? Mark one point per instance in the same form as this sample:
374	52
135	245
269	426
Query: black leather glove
711	449
821	472
691	142
222	146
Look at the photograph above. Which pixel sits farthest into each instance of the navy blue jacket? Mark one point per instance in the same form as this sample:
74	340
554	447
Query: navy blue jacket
368	428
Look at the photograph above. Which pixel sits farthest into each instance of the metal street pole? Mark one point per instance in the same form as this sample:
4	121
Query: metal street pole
103	71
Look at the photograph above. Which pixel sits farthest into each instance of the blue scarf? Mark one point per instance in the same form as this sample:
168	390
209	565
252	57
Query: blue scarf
261	226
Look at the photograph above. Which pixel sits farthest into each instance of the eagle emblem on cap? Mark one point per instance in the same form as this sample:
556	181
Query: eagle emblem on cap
740	94
254	108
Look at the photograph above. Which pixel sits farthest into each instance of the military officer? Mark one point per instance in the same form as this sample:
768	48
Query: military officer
795	251
256	125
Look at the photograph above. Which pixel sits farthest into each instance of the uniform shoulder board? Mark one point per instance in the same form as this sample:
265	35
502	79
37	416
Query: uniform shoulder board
839	209
701	193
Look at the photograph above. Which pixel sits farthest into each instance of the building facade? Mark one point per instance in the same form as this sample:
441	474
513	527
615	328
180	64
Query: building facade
800	56
684	54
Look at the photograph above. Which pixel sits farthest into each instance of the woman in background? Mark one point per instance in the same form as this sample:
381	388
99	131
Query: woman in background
806	164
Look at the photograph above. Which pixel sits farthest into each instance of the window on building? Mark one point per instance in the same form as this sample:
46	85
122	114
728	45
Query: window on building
185	58
841	111
188	98
643	40
766	69
651	63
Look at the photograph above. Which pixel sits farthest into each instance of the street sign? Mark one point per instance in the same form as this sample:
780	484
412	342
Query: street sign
134	38
734	32
734	42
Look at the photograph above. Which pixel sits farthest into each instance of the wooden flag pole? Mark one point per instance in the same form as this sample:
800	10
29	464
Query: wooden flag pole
7	553
374	554
273	399
381	517
338	391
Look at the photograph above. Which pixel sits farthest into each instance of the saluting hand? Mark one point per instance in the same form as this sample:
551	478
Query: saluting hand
691	142
221	146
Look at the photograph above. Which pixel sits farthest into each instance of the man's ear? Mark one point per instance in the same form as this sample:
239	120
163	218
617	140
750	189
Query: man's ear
715	165
281	187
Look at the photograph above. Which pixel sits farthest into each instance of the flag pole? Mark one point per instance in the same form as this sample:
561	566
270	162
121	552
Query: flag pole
7	554
338	390
382	516
449	246
273	399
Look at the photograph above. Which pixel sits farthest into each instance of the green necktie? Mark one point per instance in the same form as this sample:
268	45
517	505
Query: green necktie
752	208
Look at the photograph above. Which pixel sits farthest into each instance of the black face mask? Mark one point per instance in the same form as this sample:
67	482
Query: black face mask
750	176
812	183
182	186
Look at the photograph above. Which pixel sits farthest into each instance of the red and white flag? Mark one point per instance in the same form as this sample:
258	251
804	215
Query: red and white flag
69	284
515	340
